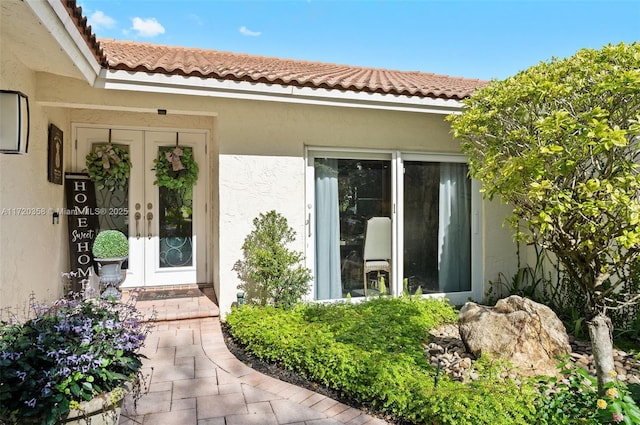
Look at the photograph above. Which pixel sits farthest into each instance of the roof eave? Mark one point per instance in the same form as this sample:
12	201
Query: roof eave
55	17
231	89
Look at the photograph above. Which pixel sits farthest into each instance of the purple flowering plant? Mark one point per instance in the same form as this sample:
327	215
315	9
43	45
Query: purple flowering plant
66	353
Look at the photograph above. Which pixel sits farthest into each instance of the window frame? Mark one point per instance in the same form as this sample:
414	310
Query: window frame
457	298
397	159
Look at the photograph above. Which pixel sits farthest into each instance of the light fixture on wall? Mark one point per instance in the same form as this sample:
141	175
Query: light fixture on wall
14	122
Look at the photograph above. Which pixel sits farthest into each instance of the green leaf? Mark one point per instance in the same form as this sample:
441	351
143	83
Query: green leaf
75	388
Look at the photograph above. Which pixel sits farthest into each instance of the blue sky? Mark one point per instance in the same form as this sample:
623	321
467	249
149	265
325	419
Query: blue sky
474	39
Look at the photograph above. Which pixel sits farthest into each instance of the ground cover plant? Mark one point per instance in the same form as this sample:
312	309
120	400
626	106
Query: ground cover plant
372	353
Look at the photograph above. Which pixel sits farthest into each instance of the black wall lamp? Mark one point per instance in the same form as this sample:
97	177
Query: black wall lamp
14	122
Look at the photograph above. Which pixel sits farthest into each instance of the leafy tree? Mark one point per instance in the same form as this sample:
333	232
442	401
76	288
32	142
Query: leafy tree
272	273
560	143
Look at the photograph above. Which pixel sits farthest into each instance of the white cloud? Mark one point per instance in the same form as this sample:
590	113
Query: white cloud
149	27
99	20
246	31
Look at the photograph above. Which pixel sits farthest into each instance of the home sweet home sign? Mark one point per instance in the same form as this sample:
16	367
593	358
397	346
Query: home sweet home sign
82	214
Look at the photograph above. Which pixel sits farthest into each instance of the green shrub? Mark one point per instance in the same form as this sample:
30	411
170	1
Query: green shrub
373	353
486	401
568	301
572	401
110	244
271	273
575	400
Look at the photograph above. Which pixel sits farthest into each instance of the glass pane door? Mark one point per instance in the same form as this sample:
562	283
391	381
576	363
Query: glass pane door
348	192
176	229
175	252
175	210
166	226
116	209
115	203
437	227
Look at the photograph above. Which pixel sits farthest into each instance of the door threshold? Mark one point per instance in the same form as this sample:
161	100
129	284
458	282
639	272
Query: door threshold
166	287
172	291
178	302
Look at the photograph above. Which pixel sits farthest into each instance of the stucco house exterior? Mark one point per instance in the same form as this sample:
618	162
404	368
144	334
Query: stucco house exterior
327	146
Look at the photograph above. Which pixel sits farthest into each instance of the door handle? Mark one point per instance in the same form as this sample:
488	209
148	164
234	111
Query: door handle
138	216
149	218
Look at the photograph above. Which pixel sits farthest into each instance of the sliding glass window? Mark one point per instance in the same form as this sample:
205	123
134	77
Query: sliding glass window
348	192
437	227
391	222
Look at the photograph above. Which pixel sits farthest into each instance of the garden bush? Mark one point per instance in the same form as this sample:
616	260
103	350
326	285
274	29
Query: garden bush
575	399
372	353
270	272
561	294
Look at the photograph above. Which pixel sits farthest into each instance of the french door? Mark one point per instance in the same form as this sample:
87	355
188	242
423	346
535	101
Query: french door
166	227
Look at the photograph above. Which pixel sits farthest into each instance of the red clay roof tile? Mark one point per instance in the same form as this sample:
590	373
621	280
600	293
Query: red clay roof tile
80	21
154	58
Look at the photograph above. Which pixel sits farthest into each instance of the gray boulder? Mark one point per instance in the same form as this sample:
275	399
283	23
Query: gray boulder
527	334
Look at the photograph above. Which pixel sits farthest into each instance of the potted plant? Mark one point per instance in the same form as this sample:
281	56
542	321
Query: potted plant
71	361
110	249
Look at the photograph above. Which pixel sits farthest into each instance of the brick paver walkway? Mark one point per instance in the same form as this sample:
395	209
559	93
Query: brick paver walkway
194	379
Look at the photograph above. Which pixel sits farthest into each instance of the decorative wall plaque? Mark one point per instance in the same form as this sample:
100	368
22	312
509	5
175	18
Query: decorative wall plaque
56	157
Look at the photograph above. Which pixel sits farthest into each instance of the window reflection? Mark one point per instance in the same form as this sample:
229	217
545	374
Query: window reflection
176	225
348	193
437	228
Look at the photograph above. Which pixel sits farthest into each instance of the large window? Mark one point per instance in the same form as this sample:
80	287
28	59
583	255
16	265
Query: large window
348	192
437	227
429	202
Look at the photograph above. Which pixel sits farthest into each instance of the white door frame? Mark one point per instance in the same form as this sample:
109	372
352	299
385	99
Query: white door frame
136	138
456	298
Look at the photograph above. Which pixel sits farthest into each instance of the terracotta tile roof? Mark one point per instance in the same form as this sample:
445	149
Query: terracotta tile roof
145	57
80	21
153	58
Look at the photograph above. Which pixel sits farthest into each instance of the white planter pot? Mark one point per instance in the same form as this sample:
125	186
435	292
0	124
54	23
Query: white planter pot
103	409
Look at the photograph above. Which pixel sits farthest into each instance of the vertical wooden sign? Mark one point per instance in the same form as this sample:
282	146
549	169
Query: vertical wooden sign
55	167
82	214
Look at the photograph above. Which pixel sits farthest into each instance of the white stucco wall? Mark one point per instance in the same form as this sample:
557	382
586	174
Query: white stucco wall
32	250
251	185
257	164
499	247
262	167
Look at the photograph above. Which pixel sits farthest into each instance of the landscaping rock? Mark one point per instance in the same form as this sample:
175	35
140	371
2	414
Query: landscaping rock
446	339
447	352
527	334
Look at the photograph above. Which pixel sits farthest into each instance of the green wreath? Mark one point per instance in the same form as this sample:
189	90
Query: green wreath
175	168
109	166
